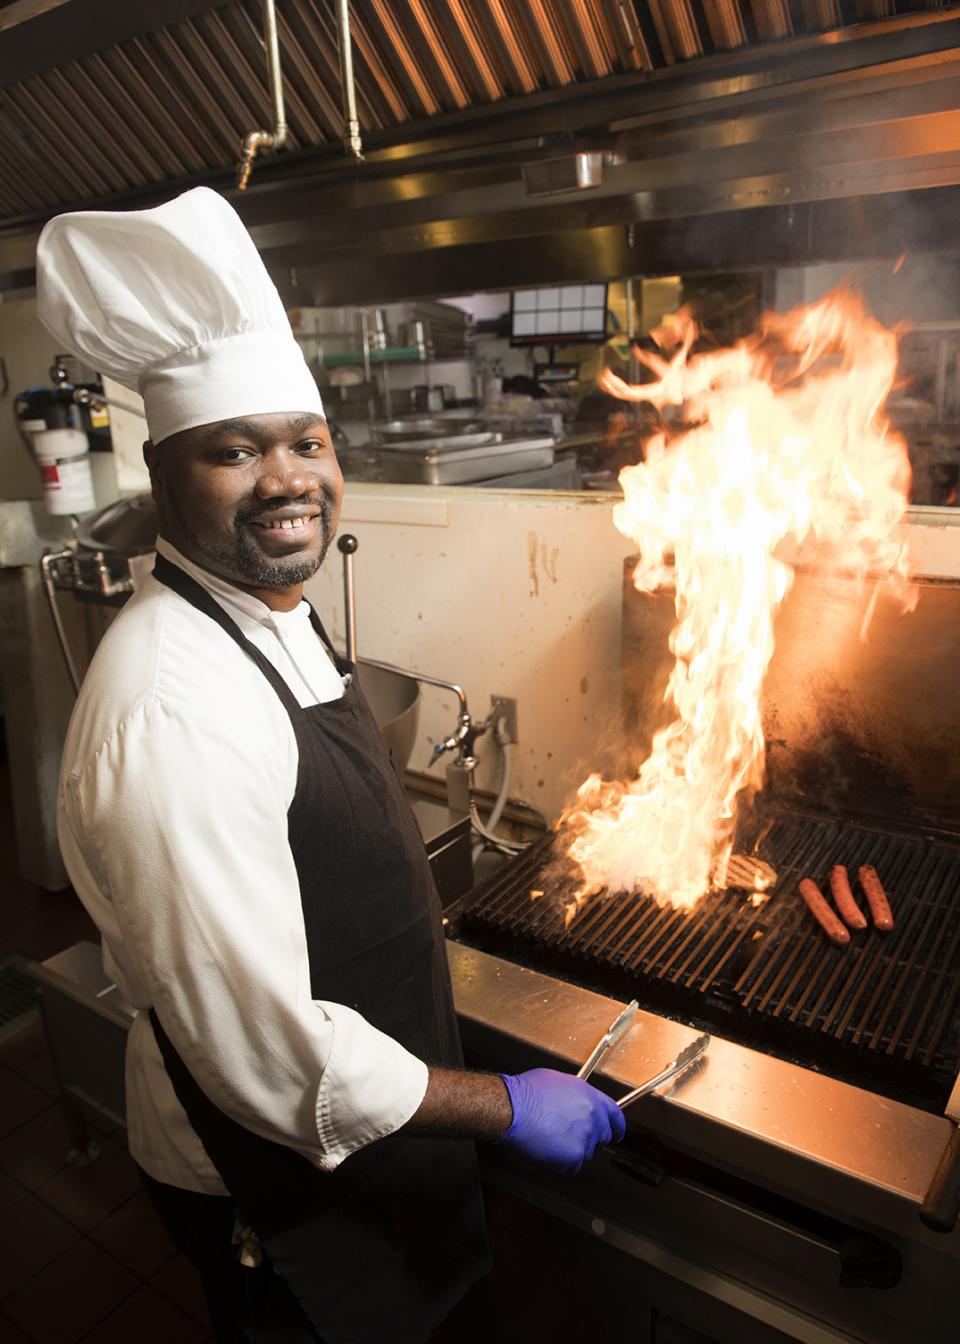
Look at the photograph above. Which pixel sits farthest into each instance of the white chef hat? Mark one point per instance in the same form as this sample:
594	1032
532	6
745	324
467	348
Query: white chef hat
176	304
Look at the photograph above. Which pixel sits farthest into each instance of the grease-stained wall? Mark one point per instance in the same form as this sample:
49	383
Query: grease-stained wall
513	594
509	594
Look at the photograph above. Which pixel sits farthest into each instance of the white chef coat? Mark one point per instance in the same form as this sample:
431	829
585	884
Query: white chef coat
179	767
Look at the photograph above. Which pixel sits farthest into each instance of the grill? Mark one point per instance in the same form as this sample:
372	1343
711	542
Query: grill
882	1011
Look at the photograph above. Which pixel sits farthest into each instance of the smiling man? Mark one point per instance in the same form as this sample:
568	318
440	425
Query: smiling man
252	501
230	817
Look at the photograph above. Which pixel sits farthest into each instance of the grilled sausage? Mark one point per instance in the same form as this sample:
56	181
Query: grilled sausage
850	912
876	898
821	910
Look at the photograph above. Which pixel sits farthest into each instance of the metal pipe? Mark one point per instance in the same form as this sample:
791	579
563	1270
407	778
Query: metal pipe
428	681
109	586
277	138
98	401
47	561
351	123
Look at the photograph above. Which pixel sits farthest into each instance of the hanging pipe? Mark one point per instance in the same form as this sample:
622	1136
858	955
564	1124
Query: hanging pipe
351	123
277	138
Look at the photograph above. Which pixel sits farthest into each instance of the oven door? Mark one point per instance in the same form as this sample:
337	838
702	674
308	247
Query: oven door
661	1248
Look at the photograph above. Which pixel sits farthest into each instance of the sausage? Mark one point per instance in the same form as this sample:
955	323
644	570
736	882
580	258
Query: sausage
876	898
850	912
821	910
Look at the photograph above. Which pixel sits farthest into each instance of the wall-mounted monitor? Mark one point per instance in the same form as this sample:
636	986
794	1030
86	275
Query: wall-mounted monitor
559	315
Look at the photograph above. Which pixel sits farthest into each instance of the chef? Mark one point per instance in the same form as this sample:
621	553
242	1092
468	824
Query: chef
230	817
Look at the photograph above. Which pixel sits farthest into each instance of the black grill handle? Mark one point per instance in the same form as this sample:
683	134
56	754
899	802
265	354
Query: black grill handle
641	1168
942	1203
866	1262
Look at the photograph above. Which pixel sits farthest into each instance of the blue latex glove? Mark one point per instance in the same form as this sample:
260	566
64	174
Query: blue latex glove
559	1121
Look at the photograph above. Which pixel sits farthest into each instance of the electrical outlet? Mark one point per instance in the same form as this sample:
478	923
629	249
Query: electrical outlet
508	711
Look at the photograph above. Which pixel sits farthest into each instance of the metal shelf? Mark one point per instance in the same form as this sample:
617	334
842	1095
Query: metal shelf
395	354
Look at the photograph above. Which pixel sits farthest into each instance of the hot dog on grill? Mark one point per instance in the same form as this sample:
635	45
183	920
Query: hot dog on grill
876	898
850	912
820	908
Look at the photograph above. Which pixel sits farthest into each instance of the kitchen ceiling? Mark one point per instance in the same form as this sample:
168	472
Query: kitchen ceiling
171	104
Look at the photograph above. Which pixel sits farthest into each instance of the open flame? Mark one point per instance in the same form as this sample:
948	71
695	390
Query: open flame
786	443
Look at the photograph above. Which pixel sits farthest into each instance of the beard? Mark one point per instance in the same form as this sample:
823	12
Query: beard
241	558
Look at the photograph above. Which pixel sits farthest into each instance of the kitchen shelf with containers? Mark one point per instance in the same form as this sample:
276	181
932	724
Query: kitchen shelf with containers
418	332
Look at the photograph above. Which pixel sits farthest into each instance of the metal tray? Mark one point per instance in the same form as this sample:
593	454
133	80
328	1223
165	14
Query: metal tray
423	427
440	443
428	465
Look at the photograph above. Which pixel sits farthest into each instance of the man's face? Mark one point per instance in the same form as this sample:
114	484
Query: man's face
254	500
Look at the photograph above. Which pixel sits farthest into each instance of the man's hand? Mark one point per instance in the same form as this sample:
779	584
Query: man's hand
550	1118
559	1121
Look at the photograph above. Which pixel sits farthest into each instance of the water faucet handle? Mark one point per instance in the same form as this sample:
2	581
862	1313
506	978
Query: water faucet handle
446	744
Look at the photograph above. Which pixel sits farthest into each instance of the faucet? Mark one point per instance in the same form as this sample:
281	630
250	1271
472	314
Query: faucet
466	732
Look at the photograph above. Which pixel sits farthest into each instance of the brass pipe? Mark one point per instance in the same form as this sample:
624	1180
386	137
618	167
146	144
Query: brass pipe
254	141
351	123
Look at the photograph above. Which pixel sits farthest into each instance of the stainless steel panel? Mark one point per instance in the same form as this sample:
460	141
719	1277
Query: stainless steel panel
451	466
743	1108
814	1165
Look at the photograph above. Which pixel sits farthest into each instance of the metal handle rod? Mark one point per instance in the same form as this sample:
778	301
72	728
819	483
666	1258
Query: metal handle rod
347	546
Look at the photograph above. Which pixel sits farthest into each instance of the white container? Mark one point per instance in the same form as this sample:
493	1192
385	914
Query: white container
63	456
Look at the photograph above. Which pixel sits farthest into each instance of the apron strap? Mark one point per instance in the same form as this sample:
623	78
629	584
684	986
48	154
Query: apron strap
342	665
194	593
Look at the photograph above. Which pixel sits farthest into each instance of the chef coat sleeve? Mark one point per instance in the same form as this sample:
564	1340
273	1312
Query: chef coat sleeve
186	822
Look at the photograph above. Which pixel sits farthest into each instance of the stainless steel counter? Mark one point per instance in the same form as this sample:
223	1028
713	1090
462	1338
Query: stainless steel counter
754	1186
773	1120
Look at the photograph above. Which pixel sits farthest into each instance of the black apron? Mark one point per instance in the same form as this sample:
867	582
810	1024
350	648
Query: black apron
384	1246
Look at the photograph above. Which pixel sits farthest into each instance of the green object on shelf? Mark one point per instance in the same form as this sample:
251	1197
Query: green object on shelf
393	354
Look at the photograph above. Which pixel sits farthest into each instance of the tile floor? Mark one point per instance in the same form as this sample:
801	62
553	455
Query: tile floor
82	1256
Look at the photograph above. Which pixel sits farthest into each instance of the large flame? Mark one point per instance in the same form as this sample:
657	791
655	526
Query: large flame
789	443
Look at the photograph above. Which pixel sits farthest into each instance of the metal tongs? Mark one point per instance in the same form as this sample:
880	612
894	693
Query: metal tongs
686	1059
618	1028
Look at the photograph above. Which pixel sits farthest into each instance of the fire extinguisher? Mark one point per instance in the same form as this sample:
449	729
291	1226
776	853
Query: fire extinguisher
56	429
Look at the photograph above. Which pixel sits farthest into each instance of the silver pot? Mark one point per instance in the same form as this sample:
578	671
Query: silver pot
395	701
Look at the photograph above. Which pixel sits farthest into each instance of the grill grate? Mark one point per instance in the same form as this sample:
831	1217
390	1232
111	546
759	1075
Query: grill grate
766	974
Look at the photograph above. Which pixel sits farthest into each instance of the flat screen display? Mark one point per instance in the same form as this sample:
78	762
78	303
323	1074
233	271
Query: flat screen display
558	314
